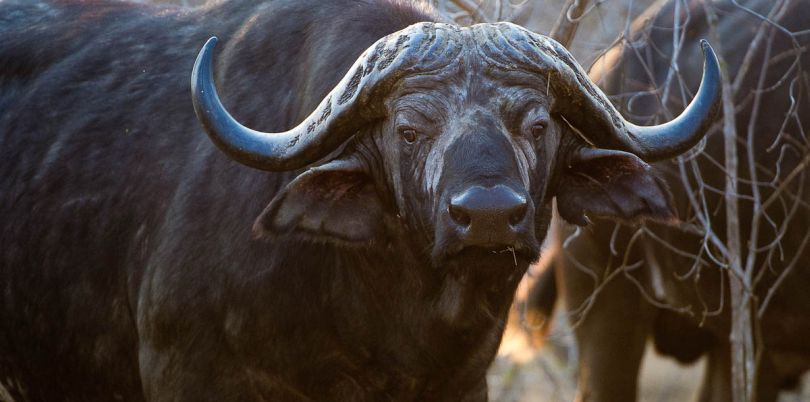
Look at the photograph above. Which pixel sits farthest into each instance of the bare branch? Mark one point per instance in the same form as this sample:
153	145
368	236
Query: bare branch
743	365
473	9
567	23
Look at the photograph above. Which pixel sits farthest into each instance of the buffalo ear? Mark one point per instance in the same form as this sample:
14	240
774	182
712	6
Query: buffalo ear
332	202
614	184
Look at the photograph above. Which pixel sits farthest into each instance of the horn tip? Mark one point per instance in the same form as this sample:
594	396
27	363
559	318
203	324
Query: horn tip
711	65
211	42
706	47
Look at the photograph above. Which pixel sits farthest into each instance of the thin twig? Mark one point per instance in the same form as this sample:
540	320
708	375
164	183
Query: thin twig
567	23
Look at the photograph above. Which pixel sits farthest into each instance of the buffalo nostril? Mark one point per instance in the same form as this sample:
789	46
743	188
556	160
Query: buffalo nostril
517	213
487	211
459	215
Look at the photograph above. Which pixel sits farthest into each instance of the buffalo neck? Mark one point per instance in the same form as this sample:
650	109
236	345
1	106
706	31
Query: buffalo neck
381	315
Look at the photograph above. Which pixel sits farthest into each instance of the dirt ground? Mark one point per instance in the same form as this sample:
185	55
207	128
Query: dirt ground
524	374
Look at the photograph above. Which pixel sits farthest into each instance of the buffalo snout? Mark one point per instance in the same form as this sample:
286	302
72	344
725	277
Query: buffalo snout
489	217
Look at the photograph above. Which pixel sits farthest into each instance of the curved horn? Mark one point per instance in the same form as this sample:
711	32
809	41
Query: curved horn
677	136
600	122
588	109
337	117
267	151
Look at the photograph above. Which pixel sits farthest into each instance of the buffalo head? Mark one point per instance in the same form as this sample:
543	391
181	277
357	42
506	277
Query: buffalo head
458	138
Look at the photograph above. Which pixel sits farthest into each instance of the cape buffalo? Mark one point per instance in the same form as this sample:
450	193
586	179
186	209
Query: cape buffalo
665	282
413	166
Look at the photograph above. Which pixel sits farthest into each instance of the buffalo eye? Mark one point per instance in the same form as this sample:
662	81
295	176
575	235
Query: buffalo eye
408	134
533	119
538	128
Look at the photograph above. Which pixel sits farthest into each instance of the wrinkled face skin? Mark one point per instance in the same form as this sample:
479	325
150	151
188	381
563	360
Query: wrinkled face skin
461	146
469	154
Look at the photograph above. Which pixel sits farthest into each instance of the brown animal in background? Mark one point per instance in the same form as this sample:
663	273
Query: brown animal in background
662	293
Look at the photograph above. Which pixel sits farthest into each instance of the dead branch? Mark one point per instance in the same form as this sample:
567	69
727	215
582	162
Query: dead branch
743	367
567	23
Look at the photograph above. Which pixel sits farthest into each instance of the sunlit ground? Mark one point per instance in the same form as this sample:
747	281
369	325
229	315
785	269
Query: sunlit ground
524	374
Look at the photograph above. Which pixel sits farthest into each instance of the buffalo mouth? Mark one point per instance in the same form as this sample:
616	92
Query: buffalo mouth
488	257
494	268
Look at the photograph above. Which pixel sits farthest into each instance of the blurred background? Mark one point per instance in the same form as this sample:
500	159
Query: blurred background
530	366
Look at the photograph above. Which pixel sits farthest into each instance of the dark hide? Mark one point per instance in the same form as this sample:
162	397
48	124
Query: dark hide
600	183
138	262
613	335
